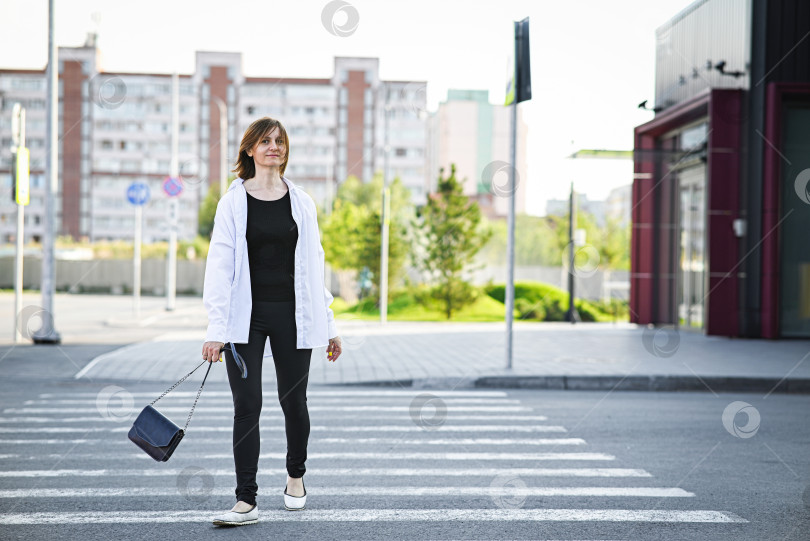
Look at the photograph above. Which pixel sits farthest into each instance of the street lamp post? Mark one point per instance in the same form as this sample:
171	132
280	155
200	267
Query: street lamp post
171	271
386	211
223	144
47	333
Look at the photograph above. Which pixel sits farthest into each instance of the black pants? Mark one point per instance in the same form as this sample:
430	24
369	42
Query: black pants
275	319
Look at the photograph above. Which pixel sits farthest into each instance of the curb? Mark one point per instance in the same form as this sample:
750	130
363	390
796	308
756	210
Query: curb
606	383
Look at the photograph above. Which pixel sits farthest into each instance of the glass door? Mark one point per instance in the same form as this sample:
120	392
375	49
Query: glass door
692	252
794	256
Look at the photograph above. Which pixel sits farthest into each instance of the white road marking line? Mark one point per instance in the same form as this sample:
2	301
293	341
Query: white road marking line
205	454
310	392
403	491
178	409
418	456
110	354
381	441
398	472
205	416
386	515
311	400
313	428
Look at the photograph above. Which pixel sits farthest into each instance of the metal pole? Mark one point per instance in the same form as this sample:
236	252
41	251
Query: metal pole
223	144
328	211
136	261
171	274
47	333
385	220
19	140
510	221
384	256
572	315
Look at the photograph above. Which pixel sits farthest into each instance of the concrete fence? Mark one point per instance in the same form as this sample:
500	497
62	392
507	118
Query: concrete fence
116	276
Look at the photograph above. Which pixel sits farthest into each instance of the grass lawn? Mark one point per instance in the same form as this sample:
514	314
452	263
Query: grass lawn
534	301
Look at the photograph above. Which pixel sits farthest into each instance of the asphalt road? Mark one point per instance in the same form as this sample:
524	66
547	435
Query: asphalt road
391	463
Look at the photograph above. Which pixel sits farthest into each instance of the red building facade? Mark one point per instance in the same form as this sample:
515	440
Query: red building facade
721	211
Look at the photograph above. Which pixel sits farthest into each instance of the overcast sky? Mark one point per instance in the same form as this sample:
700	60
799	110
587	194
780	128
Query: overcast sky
592	60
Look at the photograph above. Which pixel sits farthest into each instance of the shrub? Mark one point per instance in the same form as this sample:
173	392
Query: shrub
544	302
529	310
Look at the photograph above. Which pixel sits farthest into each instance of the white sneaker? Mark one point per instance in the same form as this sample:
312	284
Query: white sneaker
295	503
235	518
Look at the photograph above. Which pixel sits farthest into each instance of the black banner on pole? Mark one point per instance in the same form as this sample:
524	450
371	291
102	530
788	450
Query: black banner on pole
523	67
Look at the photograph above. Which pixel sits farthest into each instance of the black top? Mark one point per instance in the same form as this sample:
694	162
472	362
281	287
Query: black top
271	238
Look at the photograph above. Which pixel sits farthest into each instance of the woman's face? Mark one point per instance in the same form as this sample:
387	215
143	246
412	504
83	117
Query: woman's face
269	151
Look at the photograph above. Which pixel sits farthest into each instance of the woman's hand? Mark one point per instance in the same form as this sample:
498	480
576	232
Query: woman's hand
333	350
211	351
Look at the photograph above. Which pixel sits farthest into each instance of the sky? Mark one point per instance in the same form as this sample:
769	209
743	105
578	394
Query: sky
592	61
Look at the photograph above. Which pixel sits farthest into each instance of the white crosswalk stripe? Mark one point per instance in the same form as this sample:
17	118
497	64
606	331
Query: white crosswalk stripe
208	416
471	456
649	492
200	456
351	441
364	394
372	515
321	400
180	409
314	428
338	472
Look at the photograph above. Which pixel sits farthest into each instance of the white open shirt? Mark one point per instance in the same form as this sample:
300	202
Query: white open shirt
226	288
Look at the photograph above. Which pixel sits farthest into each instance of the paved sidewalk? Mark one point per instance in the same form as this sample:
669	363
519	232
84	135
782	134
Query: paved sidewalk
545	355
460	355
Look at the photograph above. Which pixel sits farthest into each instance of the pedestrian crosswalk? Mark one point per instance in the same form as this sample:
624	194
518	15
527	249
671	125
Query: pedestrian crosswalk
406	455
377	515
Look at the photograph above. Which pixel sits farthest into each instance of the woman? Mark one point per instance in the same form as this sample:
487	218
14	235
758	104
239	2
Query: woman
264	282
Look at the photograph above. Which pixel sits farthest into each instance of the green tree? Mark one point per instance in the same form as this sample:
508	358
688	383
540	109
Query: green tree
353	230
451	236
535	241
612	242
208	209
615	246
544	241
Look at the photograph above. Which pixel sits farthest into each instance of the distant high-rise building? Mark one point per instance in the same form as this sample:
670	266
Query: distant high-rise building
619	203
559	207
474	134
115	128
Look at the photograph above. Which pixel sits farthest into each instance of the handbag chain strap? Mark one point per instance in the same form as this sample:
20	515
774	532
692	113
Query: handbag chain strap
170	389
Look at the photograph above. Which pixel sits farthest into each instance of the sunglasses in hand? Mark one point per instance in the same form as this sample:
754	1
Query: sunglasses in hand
240	362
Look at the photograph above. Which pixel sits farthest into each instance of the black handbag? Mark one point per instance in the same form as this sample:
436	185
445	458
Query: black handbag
155	433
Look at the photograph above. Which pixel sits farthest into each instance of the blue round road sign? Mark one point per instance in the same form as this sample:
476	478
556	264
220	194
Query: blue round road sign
138	193
173	186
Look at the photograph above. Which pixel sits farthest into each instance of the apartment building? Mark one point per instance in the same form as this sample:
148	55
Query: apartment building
115	129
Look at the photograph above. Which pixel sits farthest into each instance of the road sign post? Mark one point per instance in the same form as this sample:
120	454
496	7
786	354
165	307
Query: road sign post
21	197
138	195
